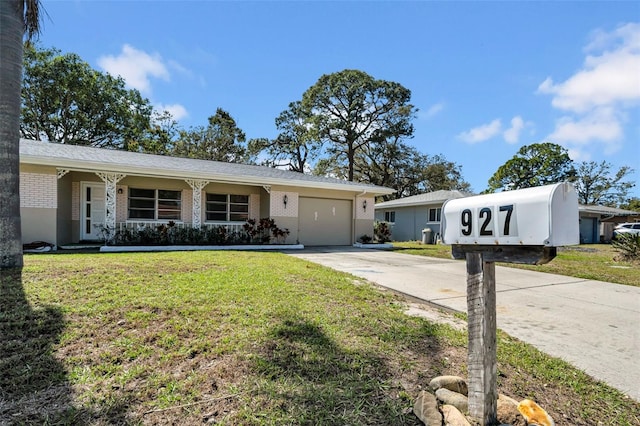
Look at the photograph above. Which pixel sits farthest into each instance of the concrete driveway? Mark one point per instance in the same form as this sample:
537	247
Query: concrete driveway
591	324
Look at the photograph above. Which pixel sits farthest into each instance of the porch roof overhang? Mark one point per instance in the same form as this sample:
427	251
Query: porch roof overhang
90	159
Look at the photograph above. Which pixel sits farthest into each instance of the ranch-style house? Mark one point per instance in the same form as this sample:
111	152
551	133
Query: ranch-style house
69	193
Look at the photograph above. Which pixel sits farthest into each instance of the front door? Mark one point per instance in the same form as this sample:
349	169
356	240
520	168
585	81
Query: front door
93	210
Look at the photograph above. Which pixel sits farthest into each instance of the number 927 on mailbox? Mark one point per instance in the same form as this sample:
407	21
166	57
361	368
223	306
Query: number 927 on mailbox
539	216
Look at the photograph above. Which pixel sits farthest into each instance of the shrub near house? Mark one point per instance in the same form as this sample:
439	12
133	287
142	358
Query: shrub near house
263	231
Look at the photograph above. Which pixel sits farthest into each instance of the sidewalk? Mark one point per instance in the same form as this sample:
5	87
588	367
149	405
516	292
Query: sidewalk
593	325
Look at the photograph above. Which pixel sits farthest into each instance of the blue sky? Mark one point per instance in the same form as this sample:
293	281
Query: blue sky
487	77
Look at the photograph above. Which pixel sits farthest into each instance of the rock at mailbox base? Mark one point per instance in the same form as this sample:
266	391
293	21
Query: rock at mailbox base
534	414
453	383
456	399
426	409
453	416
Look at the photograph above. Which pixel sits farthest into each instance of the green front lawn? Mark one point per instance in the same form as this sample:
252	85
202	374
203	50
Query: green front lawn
241	338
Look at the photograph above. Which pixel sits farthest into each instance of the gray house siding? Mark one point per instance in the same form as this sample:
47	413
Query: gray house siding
410	221
415	213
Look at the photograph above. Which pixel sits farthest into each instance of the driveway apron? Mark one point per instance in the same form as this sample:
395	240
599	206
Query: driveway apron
593	325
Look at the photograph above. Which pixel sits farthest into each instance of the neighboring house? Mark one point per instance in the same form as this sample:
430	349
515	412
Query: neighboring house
68	193
410	215
597	222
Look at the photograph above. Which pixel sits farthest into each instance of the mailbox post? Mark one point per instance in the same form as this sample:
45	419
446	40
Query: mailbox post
521	226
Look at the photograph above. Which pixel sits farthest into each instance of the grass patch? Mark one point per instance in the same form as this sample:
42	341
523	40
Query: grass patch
588	261
240	338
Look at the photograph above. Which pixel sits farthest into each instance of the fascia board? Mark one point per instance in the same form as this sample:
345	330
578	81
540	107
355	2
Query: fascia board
413	204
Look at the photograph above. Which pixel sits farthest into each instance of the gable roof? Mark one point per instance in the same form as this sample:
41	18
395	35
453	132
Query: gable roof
435	197
90	159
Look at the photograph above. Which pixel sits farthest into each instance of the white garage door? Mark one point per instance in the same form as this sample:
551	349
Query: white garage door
324	222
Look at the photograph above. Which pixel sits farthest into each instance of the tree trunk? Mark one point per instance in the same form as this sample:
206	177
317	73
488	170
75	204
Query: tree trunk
11	33
351	155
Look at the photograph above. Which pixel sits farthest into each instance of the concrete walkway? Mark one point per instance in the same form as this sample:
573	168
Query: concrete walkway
593	325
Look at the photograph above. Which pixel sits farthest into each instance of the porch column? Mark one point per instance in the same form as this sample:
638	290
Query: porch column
110	181
196	211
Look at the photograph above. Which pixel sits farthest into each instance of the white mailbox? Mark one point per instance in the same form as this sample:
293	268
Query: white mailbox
540	216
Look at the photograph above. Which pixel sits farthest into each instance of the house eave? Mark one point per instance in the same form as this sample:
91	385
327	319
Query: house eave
415	204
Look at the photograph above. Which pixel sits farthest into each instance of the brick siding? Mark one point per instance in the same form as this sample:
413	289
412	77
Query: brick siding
277	204
38	190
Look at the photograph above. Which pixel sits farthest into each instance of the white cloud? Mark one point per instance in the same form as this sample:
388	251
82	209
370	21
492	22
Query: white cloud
607	78
628	36
177	111
433	110
482	133
596	100
135	67
512	134
601	127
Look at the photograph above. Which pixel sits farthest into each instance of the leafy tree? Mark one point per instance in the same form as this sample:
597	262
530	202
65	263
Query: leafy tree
297	144
632	204
64	100
534	165
221	140
161	136
17	18
350	109
441	174
402	167
393	164
596	184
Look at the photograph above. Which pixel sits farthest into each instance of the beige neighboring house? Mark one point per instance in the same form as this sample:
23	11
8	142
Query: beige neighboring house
410	215
68	193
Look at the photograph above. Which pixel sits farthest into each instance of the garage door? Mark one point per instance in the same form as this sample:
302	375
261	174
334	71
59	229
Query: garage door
324	222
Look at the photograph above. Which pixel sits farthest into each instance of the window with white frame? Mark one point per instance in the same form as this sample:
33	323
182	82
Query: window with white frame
154	204
390	216
227	208
434	214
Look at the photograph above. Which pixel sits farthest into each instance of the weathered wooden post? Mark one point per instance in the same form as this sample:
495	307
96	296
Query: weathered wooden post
522	226
481	361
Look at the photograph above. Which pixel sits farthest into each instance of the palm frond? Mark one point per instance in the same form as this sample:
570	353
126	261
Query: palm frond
31	12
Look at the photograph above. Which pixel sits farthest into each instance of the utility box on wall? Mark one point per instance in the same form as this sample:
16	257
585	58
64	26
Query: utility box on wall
540	216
